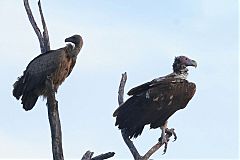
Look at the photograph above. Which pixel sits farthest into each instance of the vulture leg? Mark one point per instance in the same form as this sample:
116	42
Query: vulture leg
163	139
169	133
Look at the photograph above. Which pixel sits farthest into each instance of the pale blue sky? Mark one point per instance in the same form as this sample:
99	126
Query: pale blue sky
141	38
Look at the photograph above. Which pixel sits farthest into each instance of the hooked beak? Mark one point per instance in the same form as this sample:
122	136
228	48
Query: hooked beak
193	63
68	39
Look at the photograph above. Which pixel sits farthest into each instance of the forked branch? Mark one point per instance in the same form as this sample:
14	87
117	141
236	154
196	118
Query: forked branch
34	25
88	156
45	30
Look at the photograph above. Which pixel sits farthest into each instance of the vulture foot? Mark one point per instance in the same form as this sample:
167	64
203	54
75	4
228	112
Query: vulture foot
170	132
164	141
166	137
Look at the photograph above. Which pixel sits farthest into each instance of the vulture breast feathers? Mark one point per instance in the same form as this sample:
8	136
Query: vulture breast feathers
54	64
154	102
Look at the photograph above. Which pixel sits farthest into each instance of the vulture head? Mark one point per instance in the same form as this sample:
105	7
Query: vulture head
77	41
182	62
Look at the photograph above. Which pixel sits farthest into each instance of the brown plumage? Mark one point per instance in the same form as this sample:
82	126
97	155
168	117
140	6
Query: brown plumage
54	64
154	102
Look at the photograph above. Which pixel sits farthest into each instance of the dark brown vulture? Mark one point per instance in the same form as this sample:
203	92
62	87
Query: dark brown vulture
54	64
154	102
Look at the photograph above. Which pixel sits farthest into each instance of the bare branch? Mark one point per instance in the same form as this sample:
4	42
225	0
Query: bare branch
88	156
34	25
55	124
130	145
128	142
121	88
169	133
155	148
151	151
45	30
104	156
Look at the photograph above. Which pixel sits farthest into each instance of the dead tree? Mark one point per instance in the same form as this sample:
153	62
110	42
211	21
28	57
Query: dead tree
127	141
52	104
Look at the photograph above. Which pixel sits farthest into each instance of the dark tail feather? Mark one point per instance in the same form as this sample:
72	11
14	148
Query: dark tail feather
29	100
128	116
18	87
135	132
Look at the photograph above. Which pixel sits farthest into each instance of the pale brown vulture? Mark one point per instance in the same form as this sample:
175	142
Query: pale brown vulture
54	64
154	102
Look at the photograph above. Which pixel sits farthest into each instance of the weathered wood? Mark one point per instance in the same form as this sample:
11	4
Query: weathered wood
130	145
88	156
45	30
128	142
104	156
34	25
54	122
121	88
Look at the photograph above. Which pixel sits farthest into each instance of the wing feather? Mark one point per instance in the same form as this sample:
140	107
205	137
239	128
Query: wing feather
31	84
153	106
140	88
155	82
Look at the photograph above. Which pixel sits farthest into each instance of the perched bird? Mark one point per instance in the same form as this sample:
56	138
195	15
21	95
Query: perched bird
155	101
55	65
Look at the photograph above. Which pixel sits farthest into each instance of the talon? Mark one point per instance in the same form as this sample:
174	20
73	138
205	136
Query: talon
171	132
163	139
165	148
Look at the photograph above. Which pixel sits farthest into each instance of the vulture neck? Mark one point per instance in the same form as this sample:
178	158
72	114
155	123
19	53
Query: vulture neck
180	71
76	49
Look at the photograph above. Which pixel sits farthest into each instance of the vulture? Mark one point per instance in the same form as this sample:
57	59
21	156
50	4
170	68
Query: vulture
54	65
152	103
